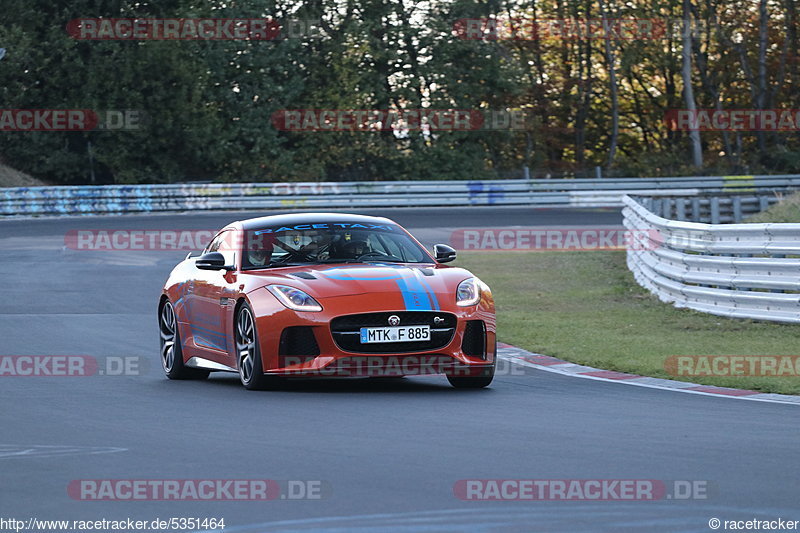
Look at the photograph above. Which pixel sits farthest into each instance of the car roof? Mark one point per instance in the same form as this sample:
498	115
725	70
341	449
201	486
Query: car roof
308	218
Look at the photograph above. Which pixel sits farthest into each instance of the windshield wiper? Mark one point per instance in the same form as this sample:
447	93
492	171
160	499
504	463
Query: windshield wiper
277	264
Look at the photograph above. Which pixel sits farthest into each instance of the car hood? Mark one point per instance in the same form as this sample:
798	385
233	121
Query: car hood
421	286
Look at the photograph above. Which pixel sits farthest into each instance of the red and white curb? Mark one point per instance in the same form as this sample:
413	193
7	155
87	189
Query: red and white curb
559	366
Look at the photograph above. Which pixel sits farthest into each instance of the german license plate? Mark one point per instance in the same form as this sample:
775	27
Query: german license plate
395	334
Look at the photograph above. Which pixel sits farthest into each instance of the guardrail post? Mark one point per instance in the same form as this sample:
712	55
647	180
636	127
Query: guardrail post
763	203
680	208
737	209
715	209
695	209
658	208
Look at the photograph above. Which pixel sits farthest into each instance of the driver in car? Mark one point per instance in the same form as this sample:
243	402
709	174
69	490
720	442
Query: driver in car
258	258
353	249
259	251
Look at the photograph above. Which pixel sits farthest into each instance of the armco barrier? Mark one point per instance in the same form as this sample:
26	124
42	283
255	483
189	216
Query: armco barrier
734	270
714	209
539	192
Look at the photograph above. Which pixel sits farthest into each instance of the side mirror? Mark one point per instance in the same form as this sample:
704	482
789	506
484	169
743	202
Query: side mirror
444	253
212	261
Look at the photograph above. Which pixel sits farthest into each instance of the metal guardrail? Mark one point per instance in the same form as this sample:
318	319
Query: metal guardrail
714	209
537	192
734	270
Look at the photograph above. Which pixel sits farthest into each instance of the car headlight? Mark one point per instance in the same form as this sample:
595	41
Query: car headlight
294	299
468	293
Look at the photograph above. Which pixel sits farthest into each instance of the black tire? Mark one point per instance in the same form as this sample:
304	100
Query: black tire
171	353
248	351
478	380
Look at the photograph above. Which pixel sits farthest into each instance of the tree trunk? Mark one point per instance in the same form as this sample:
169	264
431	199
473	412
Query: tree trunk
584	94
612	82
688	91
761	94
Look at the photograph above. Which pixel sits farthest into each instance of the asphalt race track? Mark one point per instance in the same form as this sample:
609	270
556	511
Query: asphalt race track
387	453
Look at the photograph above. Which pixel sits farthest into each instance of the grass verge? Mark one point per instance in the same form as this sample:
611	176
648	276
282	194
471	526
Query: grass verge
585	307
787	210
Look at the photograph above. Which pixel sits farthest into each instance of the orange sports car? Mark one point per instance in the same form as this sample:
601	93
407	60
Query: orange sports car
323	294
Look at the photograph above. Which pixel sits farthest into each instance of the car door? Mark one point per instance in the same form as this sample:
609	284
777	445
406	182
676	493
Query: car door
209	300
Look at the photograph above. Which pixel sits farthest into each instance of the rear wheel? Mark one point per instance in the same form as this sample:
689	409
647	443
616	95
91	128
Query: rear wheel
171	351
248	353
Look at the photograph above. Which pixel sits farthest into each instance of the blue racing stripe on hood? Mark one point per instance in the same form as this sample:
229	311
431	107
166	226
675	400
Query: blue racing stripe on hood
416	291
414	295
421	279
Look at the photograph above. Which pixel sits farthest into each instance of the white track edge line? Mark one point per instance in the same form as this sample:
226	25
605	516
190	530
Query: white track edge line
523	362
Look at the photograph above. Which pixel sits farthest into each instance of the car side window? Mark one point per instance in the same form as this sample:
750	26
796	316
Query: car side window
213	246
223	243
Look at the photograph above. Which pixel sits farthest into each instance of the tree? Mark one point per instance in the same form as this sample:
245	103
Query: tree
688	91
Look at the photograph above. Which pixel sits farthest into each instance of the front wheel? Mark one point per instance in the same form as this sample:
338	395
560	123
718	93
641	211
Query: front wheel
248	352
171	351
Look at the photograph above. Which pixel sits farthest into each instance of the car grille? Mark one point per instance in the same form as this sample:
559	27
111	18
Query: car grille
346	331
474	342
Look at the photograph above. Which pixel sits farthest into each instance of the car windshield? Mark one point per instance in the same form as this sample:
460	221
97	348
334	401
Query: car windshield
330	242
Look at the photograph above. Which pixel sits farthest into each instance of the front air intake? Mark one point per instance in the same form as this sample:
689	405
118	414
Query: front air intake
474	342
297	345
